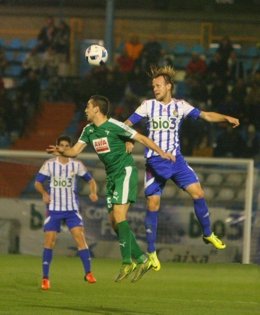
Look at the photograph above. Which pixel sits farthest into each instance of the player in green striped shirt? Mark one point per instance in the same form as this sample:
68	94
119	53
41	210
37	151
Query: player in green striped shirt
108	137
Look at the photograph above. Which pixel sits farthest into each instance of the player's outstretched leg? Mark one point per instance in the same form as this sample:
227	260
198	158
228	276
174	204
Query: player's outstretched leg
156	265
214	240
141	269
125	271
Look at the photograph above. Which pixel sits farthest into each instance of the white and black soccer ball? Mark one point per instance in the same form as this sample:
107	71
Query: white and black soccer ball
96	55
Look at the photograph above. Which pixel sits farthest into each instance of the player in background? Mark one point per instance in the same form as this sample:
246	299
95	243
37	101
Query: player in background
62	202
108	137
165	115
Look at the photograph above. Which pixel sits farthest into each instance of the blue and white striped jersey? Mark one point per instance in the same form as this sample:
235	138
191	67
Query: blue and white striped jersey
62	179
164	122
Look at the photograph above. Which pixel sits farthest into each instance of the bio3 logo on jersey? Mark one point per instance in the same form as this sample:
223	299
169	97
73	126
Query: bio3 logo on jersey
101	145
58	182
161	123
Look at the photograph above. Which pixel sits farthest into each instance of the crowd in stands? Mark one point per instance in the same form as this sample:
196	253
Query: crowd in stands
219	82
42	65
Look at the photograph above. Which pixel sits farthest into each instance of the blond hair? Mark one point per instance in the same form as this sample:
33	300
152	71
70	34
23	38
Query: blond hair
167	72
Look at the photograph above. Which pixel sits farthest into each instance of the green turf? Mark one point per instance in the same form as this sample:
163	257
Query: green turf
178	289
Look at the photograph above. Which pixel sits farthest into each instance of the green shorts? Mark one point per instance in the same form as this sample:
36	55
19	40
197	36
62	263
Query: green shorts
121	188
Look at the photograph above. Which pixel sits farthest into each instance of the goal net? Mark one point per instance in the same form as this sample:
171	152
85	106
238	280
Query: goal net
229	186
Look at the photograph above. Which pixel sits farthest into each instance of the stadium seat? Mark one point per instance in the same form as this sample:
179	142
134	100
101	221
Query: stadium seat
214	179
234	179
240	194
13	71
180	49
211	51
252	52
181	89
20	57
209	193
248	65
4	141
226	194
198	48
181	62
30	43
9	55
2	42
15	44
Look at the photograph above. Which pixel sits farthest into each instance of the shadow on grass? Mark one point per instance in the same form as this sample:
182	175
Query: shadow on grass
95	310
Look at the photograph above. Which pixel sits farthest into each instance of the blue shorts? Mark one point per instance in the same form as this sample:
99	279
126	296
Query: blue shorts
56	218
159	170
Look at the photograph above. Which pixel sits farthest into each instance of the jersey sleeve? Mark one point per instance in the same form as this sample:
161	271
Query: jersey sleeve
123	130
44	173
190	111
84	137
83	172
139	113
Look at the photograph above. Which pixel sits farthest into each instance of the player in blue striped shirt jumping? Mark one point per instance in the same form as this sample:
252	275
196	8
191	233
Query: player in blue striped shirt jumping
165	115
61	199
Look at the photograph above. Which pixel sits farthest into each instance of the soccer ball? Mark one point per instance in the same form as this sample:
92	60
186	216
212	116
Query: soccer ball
96	55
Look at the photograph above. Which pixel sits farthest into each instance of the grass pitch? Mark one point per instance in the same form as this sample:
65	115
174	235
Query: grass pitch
177	289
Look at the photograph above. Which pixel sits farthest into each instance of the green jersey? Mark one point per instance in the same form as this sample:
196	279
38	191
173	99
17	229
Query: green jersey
108	140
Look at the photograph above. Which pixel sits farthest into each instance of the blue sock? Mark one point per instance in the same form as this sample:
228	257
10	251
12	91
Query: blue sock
150	222
85	258
202	213
46	261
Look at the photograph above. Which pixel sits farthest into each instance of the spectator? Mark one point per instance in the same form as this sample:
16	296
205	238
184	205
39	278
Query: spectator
252	101
46	35
203	147
32	62
151	53
217	68
252	142
229	106
218	93
50	63
3	61
125	63
235	68
198	91
61	41
229	143
225	48
30	95
196	66
133	48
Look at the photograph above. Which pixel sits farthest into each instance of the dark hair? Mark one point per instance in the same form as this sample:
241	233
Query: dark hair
102	102
64	138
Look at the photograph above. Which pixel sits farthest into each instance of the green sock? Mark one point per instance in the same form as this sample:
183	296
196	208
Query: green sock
124	237
136	251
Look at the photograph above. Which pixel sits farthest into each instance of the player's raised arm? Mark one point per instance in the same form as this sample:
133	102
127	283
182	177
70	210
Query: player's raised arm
71	152
216	117
128	123
151	145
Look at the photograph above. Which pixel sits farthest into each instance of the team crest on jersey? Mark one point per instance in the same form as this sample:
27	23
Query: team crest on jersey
175	113
101	145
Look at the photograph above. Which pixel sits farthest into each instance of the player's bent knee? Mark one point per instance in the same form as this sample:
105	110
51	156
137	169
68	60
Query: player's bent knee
153	203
